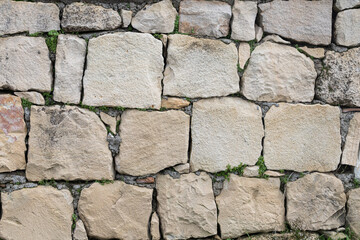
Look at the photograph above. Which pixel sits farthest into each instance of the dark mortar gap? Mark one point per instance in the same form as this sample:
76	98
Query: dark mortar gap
84	69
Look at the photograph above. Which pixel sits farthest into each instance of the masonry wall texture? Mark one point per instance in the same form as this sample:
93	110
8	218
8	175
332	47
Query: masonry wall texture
183	119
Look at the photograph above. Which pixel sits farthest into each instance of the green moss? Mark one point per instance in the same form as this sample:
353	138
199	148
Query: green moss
252	45
239	170
48	182
158	36
356	183
48	98
51	40
262	167
25	103
37	34
176	24
91	108
104	181
74	219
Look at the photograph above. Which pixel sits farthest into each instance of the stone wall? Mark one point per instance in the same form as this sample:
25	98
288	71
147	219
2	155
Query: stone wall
189	119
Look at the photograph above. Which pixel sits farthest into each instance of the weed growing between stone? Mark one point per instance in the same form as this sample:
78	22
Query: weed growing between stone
25	103
239	170
51	40
262	167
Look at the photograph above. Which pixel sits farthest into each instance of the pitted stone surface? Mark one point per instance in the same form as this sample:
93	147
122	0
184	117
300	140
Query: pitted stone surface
25	58
116	210
33	97
67	143
243	22
353	206
200	67
350	154
345	4
347	28
36	213
80	231
186	207
225	131
124	69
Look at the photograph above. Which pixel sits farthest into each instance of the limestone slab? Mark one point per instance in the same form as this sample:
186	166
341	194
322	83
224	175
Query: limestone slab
80	231
351	150
353	214
126	16
347	28
314	52
243	22
345	4
244	54
33	97
174	103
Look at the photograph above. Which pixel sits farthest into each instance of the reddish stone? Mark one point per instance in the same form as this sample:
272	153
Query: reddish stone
147	180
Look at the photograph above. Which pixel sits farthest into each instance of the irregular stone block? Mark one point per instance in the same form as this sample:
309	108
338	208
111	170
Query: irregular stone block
36	213
251	171
250	205
70	59
116	210
82	17
225	131
314	52
275	39
208	69
244	54
302	137
109	120
25	57
186	206
299	20
351	150
67	143
258	33
155	18
206	18
124	69
339	82
17	17
282	236
316	202
347	28
174	103
80	231
155	227
345	4
126	16
243	22
152	141
279	73
33	97
182	168
12	134
353	214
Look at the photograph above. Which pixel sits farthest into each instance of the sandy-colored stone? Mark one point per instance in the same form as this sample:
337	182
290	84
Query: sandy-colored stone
347	28
186	206
250	205
200	67
126	16
17	17
273	173
70	59
116	210
155	227
243	22
258	33
251	171
225	131
182	168
33	97
174	103
314	52
275	39
36	213
152	141
83	17
155	18
109	120
25	64
278	73
302	137
124	69
206	18
67	143
12	134
294	235
353	214
299	20
244	54
345	4
80	231
316	202
351	150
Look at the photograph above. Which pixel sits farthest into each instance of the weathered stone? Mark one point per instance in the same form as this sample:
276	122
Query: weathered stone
353	215
334	235
155	18
299	20
155	227
147	180
12	134
33	97
244	54
174	103
116	210
70	59
36	213
258	33
206	18
182	168
235	136
16	17
302	137
186	206
275	39
83	17
314	52
351	150
278	73
67	143
126	16
208	69
347	28
164	39
112	78
109	120
152	141
251	171
25	57
315	202
80	231
345	4
273	173
339	82
243	22
250	205
293	235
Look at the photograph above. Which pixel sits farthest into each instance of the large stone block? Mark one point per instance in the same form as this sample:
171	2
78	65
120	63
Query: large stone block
347	28
243	22
353	214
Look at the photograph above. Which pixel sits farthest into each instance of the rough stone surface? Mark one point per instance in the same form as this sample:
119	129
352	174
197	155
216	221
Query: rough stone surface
225	131
209	69
16	17
244	54
41	213
82	17
351	150
12	134
347	28
278	73
156	18
258	33
316	202
250	205
353	214
67	143
112	78
25	58
70	59
273	173
33	97
299	20
116	210
152	141
174	103
302	137
186	206
80	231
345	4
155	227
251	171
314	52
182	168
275	39
206	18
109	120
294	235
243	22
339	82
126	16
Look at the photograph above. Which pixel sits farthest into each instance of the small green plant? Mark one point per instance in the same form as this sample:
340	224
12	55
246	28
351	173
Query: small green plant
48	98
142	109
45	182
51	40
158	36
262	167
74	219
25	103
103	108
120	108
284	179
104	181
162	109
17	183
240	70
252	45
349	233
176	24
356	183
239	170
118	125
37	34
188	99
130	28
91	108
